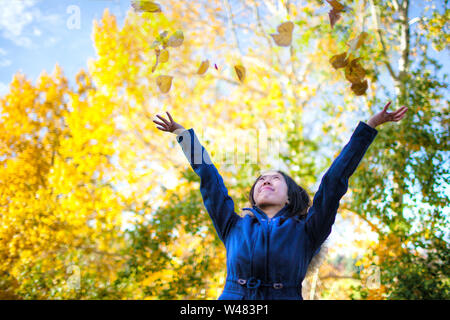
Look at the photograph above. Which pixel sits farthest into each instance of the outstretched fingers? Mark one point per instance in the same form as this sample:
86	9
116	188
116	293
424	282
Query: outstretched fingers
399	114
386	106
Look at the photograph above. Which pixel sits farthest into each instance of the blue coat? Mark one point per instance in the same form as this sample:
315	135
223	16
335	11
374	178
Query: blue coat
268	258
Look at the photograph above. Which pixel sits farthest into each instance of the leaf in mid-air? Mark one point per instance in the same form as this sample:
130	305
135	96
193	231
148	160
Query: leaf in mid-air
240	71
336	5
339	60
354	72
157	53
164	56
284	36
145	6
355	43
176	39
334	17
359	88
203	67
335	13
164	83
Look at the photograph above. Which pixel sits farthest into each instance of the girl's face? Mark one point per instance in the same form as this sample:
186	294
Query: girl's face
270	189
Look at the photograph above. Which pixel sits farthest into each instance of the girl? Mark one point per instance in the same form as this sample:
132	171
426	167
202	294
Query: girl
269	249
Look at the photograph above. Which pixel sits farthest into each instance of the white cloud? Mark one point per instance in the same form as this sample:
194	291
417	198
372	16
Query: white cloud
17	15
13	18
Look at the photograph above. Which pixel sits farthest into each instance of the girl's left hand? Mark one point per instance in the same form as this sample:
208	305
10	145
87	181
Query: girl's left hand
384	116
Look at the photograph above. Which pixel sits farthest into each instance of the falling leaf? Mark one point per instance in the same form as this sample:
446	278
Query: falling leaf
359	88
164	56
335	13
203	67
334	17
157	53
354	72
355	43
284	36
163	34
154	44
285	27
240	71
146	6
336	5
176	39
164	83
339	60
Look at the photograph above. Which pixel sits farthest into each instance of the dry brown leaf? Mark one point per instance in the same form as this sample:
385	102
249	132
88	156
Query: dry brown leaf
285	27
360	88
284	36
339	60
334	17
354	72
203	67
240	71
336	5
164	83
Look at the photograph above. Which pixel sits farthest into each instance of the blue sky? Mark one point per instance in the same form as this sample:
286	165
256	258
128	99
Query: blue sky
37	34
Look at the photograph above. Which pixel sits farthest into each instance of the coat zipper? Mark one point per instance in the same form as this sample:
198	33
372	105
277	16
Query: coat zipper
267	253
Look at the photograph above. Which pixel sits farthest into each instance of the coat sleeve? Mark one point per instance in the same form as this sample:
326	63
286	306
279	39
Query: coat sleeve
218	203
334	185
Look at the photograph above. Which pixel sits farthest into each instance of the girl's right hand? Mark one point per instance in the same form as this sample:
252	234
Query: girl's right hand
168	126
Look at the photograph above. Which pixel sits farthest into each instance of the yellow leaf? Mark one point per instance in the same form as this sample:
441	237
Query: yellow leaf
145	6
157	53
240	71
164	56
164	83
203	67
176	39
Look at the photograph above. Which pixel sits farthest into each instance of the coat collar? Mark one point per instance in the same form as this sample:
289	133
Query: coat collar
261	215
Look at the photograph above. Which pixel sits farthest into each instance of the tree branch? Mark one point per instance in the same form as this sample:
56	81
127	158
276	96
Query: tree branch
381	40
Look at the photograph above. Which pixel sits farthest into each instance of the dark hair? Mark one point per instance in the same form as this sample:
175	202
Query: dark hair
299	200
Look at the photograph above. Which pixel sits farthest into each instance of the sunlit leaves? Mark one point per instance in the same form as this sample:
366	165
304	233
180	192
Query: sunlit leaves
284	36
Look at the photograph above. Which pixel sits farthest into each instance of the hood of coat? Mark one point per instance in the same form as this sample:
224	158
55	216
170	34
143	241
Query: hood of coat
262	216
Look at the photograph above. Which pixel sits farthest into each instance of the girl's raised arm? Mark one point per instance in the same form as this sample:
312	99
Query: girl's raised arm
334	183
218	203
